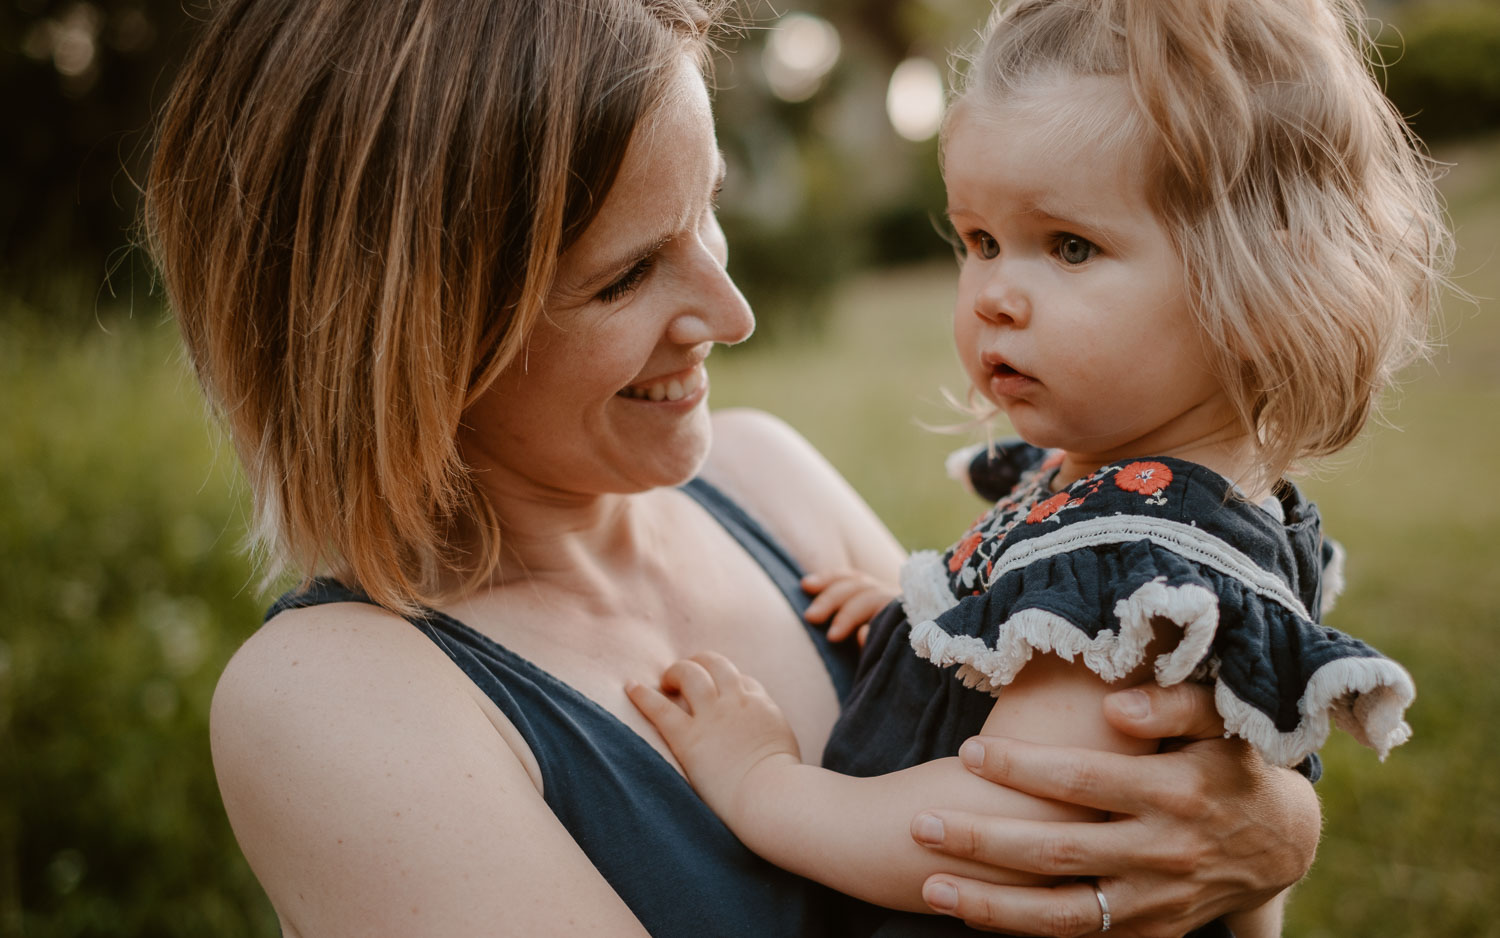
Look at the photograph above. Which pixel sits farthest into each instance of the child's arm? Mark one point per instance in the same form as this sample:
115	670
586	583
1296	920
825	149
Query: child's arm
1263	921
854	834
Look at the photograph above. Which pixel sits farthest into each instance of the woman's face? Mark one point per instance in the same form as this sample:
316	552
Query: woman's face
610	392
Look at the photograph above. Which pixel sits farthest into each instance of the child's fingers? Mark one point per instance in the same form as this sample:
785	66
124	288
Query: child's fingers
691	681
666	716
833	597
859	609
725	675
819	580
843	625
815	582
864	635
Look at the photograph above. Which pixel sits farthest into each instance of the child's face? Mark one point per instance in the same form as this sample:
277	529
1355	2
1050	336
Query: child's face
1071	313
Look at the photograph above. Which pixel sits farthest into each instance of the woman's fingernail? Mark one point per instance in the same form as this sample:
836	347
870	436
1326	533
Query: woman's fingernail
941	895
1134	704
928	829
971	754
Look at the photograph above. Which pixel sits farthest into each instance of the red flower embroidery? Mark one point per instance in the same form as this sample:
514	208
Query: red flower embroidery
1048	508
1145	478
962	552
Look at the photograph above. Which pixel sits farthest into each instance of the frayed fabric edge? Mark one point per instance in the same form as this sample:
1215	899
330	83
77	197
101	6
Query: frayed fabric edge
1111	655
1367	697
957	465
925	593
1333	579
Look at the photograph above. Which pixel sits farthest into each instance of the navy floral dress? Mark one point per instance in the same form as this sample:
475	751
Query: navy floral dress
1088	572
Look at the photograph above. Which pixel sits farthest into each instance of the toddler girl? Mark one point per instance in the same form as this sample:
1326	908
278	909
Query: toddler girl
1197	243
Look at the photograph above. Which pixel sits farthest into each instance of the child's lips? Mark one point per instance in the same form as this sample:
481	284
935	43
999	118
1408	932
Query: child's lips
1008	381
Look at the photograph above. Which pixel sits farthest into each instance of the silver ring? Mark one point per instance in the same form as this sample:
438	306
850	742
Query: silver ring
1103	907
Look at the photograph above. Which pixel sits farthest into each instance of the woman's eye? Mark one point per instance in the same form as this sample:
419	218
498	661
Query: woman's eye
1074	250
631	279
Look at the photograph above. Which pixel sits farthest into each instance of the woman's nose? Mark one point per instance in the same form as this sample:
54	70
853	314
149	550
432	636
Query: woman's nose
714	310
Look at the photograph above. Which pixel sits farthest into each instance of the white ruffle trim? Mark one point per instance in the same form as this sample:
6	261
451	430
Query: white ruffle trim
925	593
1365	696
1333	579
957	464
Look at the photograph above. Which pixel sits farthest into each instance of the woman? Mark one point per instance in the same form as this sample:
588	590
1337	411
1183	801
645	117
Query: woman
449	272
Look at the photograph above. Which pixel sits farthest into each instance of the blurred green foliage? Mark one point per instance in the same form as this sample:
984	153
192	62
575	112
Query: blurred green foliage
1444	73
123	591
123	594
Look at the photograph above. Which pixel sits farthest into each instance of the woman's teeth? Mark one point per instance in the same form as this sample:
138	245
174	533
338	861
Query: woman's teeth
674	389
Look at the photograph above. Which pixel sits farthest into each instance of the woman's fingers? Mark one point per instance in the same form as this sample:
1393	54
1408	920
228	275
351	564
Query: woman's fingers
1105	781
1184	711
1065	911
1050	848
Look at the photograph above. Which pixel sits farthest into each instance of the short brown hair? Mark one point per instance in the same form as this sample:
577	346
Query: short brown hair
357	208
1306	214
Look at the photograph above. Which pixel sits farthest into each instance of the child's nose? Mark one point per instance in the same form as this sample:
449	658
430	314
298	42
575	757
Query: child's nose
1002	301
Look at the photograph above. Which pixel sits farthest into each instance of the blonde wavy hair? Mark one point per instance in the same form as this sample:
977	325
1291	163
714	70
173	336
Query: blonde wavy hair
357	209
1311	231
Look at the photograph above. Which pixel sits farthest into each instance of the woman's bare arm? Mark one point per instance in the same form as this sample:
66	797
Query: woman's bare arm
374	795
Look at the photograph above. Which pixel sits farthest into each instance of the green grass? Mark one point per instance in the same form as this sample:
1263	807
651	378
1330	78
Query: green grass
122	593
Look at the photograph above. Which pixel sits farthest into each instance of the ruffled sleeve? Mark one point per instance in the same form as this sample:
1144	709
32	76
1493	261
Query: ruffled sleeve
1095	587
992	470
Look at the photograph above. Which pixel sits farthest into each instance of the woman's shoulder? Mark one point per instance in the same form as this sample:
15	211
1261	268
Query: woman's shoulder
781	479
337	677
357	764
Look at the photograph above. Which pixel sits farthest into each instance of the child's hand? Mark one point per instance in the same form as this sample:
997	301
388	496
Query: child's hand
726	726
850	596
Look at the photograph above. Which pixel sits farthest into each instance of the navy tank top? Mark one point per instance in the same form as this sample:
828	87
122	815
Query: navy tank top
671	860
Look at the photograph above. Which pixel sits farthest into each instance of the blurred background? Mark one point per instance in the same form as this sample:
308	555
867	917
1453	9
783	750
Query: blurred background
123	588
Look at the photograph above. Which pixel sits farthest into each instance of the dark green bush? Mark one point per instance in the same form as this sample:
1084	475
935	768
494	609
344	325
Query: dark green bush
122	596
1444	72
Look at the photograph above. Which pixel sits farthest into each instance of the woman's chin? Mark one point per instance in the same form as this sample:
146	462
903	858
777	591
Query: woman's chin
672	462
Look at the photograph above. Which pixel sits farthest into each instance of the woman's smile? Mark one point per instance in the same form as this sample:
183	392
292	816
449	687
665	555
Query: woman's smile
689	387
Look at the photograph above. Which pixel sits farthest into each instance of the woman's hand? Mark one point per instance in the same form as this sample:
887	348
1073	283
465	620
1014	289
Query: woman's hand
1199	830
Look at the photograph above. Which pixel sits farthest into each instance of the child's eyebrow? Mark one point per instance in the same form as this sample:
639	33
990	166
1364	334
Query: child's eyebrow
1066	214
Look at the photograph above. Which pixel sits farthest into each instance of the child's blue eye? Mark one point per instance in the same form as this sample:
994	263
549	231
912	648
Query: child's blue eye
985	245
1074	250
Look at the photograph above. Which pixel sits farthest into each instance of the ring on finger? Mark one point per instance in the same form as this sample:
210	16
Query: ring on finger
1103	908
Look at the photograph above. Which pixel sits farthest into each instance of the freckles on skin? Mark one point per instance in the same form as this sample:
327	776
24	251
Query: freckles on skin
609	393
